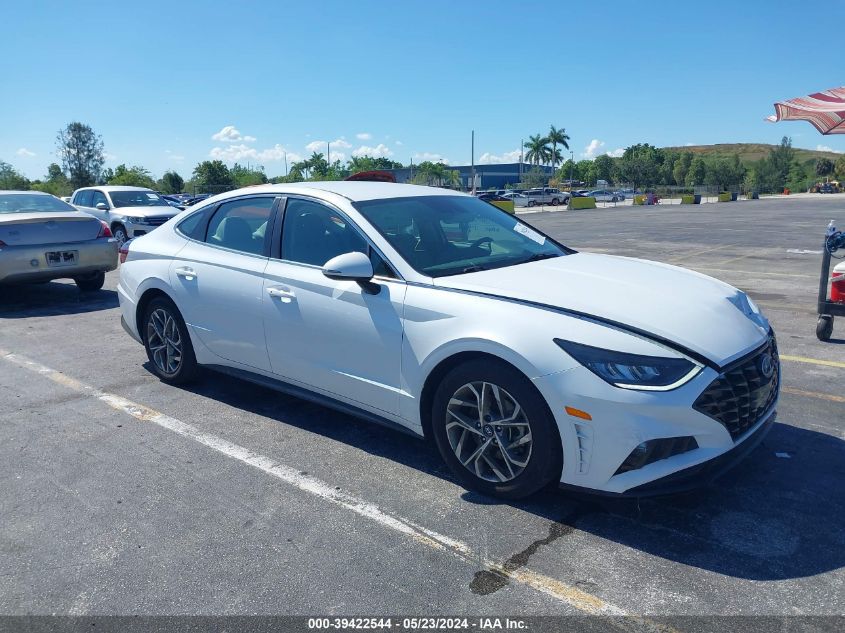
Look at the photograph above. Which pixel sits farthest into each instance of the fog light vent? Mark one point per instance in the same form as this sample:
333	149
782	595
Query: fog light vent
584	433
655	450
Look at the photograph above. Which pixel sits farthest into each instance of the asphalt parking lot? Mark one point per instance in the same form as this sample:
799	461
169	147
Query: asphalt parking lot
123	495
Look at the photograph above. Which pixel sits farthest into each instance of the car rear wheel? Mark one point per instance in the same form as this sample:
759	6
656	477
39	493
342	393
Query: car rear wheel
555	202
494	430
91	283
531	203
119	232
168	343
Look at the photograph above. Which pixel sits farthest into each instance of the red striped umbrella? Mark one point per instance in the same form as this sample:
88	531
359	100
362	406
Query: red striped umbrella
825	110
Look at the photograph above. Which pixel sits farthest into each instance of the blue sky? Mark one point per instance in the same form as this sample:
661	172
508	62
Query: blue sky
168	84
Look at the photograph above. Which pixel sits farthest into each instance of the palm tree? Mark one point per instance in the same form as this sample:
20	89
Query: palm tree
557	137
538	149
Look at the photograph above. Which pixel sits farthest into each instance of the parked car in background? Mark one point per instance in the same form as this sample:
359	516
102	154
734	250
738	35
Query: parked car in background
603	195
620	194
630	193
129	211
43	238
827	188
65	199
430	310
505	204
546	195
519	199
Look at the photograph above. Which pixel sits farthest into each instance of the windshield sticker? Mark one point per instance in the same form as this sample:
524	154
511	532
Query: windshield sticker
152	196
529	233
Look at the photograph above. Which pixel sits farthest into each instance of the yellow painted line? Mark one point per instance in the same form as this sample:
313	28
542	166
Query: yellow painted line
701	252
573	596
812	394
812	361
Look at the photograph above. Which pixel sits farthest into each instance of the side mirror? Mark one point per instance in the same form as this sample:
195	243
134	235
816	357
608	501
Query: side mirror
352	266
102	206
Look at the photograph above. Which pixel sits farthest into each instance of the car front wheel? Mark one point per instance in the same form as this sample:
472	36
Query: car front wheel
168	343
495	431
119	232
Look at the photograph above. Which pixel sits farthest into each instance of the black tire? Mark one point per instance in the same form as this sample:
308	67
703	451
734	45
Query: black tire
555	202
824	327
546	455
91	283
531	203
186	370
119	233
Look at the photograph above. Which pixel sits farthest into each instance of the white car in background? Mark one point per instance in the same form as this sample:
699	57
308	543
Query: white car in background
526	362
603	195
519	199
129	211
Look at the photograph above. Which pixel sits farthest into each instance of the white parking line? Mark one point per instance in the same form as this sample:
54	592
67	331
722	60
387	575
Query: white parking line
574	597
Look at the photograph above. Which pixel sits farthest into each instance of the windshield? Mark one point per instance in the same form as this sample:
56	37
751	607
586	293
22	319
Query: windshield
29	202
449	235
137	199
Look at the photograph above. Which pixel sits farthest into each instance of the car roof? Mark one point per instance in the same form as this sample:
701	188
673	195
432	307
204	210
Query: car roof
30	191
354	191
115	188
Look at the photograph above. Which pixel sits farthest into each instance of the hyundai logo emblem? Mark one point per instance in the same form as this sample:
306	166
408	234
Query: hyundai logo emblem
767	365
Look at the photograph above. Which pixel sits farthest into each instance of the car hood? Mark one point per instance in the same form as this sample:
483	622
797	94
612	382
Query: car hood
700	313
147	212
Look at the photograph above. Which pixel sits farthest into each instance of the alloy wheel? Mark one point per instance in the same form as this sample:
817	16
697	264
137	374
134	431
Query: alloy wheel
164	341
488	431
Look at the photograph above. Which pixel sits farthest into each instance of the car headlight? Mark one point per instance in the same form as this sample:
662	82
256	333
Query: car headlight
135	219
632	371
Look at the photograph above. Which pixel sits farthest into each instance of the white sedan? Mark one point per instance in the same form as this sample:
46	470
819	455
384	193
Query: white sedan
526	362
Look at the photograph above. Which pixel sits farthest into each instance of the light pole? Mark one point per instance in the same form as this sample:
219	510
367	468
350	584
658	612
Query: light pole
571	167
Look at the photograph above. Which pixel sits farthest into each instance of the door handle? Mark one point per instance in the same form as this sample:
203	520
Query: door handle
285	296
187	273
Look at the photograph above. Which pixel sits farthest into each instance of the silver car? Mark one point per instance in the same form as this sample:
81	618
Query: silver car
44	238
129	211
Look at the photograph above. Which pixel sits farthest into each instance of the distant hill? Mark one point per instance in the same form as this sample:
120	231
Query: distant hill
752	151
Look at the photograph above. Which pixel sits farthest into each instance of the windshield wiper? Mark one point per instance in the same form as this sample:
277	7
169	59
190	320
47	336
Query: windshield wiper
538	256
473	269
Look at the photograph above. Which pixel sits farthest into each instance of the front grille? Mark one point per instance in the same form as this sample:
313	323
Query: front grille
157	220
743	393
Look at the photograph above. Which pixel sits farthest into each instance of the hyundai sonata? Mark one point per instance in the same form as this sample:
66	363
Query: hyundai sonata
526	362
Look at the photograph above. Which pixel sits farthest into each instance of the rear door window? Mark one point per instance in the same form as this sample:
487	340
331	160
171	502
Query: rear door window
242	225
83	198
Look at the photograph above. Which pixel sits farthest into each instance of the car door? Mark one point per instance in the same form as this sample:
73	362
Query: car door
218	279
84	201
330	335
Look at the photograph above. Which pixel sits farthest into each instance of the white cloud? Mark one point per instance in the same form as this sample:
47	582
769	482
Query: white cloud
819	148
25	153
617	152
108	156
230	134
689	144
593	149
174	157
379	150
398	142
363	136
424	156
508	157
234	153
320	146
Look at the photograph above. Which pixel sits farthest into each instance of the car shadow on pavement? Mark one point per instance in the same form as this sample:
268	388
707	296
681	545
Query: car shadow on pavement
52	299
777	515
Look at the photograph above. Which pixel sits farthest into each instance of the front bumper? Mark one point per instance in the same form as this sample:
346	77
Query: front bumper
622	419
28	264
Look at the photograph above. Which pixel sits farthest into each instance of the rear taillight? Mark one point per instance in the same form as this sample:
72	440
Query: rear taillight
105	231
123	252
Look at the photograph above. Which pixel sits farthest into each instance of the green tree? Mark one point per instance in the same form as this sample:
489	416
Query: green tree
696	172
640	164
681	168
81	151
603	167
55	182
538	148
135	176
781	160
171	182
557	137
10	178
212	176
244	176
824	167
839	168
